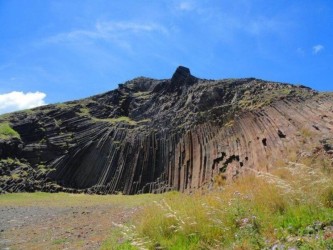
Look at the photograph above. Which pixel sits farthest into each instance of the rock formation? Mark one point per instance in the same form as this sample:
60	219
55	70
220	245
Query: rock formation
156	135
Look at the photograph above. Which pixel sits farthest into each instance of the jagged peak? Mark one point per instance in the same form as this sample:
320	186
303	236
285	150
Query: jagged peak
182	76
181	73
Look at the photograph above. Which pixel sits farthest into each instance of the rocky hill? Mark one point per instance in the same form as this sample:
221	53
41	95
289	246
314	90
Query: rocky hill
153	135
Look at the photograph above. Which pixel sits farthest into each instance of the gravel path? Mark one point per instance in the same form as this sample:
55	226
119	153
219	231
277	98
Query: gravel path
33	227
15	217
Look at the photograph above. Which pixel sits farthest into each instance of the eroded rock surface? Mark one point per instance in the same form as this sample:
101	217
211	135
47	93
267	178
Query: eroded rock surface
155	135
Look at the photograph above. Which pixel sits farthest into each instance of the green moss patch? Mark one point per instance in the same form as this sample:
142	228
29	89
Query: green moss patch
7	132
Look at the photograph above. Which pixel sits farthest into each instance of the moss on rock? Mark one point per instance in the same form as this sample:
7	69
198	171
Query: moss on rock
7	132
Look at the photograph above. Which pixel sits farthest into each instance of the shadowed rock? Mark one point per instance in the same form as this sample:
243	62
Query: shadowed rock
182	76
153	135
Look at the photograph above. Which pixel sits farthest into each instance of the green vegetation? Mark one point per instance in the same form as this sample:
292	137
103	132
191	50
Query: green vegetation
5	117
144	120
123	119
65	105
10	161
59	241
305	132
290	207
84	111
142	94
73	221
230	123
6	131
268	93
66	199
114	241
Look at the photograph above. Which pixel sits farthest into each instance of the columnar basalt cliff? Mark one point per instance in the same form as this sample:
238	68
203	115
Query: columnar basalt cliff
156	135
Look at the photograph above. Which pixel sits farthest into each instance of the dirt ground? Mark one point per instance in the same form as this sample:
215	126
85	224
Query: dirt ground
47	225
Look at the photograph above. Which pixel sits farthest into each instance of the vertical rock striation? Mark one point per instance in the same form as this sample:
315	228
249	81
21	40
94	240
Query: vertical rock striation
157	135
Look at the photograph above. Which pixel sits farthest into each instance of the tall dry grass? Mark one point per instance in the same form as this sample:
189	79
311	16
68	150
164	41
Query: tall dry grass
289	207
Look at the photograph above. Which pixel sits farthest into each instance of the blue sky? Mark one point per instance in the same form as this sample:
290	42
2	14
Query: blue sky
55	51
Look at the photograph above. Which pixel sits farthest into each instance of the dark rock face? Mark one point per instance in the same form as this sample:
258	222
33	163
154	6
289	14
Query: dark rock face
156	135
182	77
327	145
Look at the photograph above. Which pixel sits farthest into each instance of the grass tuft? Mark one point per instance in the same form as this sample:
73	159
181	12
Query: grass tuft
288	208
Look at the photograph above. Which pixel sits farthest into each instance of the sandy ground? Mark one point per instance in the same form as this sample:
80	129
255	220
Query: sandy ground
43	227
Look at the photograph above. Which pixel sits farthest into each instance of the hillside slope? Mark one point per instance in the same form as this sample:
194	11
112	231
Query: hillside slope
155	135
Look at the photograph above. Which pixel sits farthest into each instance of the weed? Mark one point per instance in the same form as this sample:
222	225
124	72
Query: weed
59	241
327	197
254	212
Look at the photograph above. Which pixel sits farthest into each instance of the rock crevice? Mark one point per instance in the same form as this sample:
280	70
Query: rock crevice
158	135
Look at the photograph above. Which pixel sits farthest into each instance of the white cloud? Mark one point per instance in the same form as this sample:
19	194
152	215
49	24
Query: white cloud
103	27
190	6
111	31
185	6
16	100
264	25
317	48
